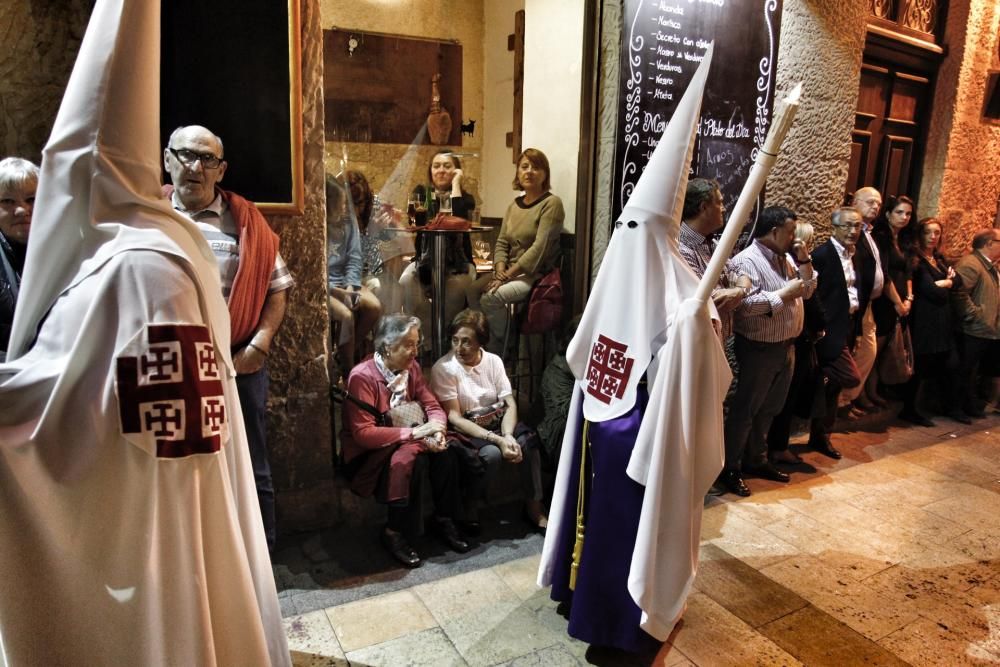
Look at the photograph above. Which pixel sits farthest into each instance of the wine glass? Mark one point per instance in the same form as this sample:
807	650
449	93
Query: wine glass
444	204
415	202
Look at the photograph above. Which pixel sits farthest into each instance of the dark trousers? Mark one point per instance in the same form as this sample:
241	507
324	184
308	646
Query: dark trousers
443	473
252	389
978	357
941	368
765	373
820	427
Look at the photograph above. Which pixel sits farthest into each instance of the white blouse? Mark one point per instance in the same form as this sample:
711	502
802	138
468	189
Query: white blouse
474	386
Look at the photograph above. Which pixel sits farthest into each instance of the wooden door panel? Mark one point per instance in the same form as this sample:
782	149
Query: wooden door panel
895	164
860	152
887	126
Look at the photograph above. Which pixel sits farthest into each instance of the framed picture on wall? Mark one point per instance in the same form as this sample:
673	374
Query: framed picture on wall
380	88
236	68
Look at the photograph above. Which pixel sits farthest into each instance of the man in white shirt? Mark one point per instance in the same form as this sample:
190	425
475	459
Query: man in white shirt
766	324
839	292
868	202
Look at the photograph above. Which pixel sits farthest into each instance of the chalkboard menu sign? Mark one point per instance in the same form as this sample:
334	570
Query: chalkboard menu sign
663	41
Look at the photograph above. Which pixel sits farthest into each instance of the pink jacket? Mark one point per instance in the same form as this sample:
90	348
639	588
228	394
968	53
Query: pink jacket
361	434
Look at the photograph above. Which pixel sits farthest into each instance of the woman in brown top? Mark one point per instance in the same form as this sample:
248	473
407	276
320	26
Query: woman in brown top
527	247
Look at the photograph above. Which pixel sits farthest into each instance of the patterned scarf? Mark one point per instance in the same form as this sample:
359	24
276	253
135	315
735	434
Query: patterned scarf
397	382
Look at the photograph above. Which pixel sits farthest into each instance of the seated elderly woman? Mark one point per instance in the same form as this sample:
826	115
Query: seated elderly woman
351	304
18	182
394	427
473	387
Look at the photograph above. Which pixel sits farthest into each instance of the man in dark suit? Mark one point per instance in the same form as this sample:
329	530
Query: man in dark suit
842	292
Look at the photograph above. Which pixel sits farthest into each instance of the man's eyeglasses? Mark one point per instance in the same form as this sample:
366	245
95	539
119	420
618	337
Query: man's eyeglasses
187	158
846	226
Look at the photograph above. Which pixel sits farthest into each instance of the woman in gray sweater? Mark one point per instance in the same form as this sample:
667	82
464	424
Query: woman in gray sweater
527	247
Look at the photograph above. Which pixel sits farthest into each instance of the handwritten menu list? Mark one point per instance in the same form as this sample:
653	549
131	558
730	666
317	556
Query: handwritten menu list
663	42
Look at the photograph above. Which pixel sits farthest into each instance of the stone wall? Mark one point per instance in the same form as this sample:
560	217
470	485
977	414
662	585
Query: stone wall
299	407
607	123
961	182
821	44
38	44
39	40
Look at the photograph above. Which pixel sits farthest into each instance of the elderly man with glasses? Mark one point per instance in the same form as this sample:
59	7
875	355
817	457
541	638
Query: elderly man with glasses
254	279
840	291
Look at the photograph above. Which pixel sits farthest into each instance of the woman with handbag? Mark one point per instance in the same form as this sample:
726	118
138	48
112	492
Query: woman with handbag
394	425
934	348
527	246
474	389
894	236
446	176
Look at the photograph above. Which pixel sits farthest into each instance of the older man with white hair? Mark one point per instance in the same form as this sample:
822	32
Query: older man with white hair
871	282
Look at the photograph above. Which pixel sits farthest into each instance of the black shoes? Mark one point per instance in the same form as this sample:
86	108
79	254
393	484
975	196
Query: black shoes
470	528
786	456
400	548
446	530
825	447
915	417
959	416
732	481
767	471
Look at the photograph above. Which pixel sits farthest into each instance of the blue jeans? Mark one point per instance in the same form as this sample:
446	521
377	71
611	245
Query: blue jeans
252	390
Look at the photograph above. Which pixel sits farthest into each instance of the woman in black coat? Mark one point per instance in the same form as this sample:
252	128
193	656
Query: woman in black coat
894	235
935	352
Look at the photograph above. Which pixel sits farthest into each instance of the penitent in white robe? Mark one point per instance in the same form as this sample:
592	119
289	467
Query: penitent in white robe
642	318
130	532
111	554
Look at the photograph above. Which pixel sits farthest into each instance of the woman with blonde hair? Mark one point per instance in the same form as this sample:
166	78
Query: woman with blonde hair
18	182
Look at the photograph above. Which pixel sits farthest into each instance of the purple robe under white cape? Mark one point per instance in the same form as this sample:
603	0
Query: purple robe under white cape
641	318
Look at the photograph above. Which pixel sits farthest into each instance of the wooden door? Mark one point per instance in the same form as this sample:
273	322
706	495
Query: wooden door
889	129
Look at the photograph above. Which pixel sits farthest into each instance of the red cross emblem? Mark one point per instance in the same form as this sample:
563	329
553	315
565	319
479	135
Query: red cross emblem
608	370
170	393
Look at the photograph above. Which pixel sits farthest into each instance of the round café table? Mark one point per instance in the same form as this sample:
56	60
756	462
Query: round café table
438	243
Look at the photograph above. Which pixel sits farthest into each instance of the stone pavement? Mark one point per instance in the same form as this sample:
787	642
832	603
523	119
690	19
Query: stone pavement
890	556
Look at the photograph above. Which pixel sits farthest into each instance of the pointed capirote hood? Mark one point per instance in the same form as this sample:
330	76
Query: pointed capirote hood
642	279
99	189
658	197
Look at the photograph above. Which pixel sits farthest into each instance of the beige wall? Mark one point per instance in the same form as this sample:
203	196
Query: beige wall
498	111
552	78
961	181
